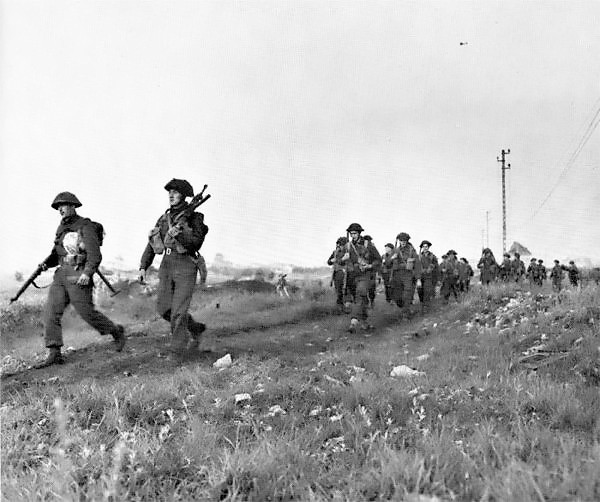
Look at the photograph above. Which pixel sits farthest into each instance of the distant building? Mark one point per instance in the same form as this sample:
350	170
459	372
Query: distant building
519	248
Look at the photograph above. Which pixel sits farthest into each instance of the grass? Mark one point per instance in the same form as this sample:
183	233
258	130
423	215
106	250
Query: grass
330	425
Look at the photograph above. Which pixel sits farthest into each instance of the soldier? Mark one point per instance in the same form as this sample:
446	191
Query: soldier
76	252
556	275
465	272
429	274
406	270
361	258
338	276
488	266
518	268
282	286
573	273
449	273
179	236
532	272
386	269
542	274
505	268
373	283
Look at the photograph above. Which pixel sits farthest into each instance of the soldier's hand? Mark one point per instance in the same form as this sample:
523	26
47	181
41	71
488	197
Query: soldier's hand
43	266
142	276
346	257
83	280
174	231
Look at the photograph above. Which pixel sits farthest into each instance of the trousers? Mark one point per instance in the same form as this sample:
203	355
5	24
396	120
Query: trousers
65	291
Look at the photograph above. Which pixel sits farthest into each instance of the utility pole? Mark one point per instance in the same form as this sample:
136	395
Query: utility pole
487	228
504	168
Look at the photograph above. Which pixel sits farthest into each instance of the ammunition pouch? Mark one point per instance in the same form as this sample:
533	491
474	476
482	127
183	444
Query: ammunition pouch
410	264
156	242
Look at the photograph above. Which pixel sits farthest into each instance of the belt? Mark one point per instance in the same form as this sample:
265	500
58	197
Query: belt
68	260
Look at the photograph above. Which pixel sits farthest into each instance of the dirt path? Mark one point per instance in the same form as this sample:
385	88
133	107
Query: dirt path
146	350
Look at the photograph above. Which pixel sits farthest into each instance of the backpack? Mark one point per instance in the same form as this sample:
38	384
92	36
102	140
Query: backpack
99	229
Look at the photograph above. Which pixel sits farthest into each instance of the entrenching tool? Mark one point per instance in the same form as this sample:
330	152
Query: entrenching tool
108	284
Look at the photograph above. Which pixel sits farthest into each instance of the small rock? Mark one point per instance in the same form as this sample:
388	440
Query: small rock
223	362
240	398
424	357
405	371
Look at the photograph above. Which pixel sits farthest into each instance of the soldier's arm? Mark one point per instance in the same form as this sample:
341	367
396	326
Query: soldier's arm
330	261
92	249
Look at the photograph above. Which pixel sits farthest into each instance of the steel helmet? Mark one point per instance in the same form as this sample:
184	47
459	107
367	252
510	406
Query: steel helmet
65	198
403	236
354	227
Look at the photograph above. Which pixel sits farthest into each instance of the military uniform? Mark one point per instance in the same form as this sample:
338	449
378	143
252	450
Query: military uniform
487	266
429	274
338	275
406	269
542	274
178	269
373	280
506	268
532	272
518	268
450	273
465	272
386	270
76	251
556	274
361	259
573	273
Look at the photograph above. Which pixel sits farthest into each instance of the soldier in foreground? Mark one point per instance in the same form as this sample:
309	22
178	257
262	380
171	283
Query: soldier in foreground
76	252
338	276
465	272
360	259
532	272
178	234
542	273
450	273
429	274
506	268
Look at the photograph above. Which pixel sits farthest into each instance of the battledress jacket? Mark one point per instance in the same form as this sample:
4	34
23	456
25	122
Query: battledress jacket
336	259
362	251
89	256
189	240
429	265
406	260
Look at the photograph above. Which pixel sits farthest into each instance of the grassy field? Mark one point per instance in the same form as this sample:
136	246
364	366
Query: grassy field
505	404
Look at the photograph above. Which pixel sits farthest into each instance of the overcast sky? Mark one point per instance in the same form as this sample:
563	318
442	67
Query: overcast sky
302	117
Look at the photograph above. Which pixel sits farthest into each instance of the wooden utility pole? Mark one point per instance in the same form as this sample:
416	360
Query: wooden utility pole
504	168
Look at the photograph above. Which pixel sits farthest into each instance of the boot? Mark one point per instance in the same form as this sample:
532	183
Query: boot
196	330
119	338
54	357
353	325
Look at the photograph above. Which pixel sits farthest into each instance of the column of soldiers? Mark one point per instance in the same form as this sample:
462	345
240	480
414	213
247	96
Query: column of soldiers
356	264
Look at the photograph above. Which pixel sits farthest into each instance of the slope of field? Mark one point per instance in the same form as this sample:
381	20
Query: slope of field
504	403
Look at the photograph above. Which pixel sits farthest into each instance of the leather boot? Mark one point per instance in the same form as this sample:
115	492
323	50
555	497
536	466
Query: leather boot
196	330
119	338
54	357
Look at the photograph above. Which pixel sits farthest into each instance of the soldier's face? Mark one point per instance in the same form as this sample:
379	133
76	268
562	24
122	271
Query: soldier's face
66	210
175	197
354	235
425	247
403	243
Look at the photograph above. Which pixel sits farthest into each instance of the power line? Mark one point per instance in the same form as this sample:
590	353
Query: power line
582	142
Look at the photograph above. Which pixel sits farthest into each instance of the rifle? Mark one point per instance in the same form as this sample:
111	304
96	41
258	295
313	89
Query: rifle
196	201
31	280
108	284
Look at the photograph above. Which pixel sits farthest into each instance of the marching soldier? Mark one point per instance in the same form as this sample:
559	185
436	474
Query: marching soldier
542	274
281	287
373	282
406	270
386	269
488	266
556	274
573	273
76	252
532	272
429	274
361	258
465	272
505	268
518	268
338	276
450	273
179	236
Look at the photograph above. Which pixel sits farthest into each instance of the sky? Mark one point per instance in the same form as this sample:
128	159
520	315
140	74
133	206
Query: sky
303	117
